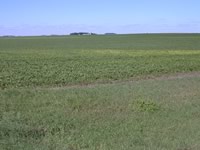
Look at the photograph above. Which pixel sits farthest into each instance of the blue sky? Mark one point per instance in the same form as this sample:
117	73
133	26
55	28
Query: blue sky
38	17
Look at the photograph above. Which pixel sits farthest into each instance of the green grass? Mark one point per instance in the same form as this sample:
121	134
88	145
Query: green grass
58	61
148	114
40	108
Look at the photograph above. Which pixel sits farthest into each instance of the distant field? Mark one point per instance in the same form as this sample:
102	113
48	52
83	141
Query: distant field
69	60
117	92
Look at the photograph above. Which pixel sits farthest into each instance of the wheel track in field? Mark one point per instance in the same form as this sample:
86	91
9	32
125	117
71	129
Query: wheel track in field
133	80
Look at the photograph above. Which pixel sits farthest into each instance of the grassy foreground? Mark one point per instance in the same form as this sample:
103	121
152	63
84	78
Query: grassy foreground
149	114
40	109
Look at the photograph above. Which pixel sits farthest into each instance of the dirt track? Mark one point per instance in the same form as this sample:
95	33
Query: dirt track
163	77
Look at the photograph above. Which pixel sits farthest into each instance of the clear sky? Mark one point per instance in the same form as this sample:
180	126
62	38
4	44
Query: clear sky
38	17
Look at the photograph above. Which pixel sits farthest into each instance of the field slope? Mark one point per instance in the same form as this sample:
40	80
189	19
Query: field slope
100	92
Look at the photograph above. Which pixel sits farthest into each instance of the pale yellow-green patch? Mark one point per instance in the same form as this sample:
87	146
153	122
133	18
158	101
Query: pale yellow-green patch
138	53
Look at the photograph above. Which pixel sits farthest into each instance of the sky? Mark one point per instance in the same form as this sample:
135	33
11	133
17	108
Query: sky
46	17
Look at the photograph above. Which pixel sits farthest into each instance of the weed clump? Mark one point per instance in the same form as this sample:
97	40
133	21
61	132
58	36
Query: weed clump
145	106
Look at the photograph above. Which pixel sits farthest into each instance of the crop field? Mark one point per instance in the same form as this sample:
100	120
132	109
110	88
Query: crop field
100	92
